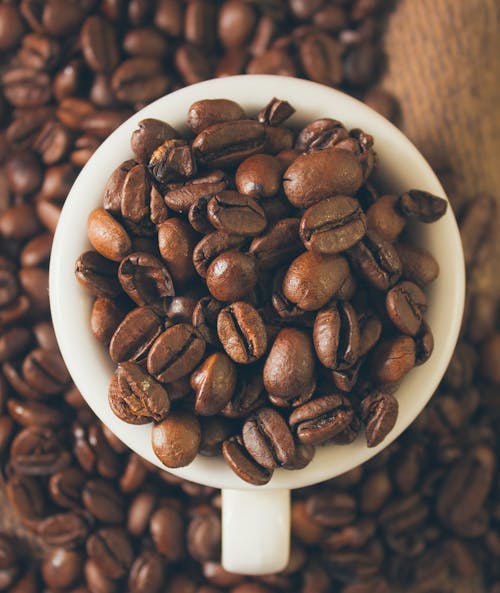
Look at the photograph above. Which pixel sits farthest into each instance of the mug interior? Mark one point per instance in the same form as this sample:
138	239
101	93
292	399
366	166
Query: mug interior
400	167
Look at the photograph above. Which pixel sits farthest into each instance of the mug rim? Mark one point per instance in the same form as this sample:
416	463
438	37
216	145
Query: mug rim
68	300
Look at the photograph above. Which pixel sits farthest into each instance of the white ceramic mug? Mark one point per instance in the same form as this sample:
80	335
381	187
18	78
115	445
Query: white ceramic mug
256	520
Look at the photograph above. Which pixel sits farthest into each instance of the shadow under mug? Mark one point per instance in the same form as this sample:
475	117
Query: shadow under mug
256	520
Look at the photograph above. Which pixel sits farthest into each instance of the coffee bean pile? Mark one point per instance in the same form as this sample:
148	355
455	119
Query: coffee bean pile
417	518
278	291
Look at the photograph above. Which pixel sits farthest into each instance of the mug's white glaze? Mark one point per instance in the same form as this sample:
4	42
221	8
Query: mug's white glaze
400	166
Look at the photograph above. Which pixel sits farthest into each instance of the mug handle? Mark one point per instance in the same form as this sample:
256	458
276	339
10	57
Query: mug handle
255	530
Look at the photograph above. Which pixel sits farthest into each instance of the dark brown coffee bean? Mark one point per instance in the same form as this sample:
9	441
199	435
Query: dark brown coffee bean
26	88
65	487
379	411
336	336
321	419
114	186
242	332
107	235
268	439
231	276
96	581
138	392
62	568
272	61
181	197
204	534
103	501
370	329
289	367
66	530
214	383
146	42
248	395
376	260
319	175
105	317
36	451
192	63
32	413
172	161
72	110
275	112
150	134
177	240
320	134
19	223
312	280
424	344
135	334
99	46
320	55
97	275
9	565
236	22
228	143
180	310
168	532
139	512
110	549
14	342
37	251
11	27
204	319
419	265
392	359
139	80
146	280
236	214
27	498
259	176
147	573
208	112
211	246
425	207
45	371
406	304
214	431
278	245
199	24
35	282
176	440
242	464
333	225
331	509
53	142
175	353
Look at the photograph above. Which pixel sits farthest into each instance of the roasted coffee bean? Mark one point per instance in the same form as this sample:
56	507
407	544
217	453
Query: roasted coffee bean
26	88
110	549
376	260
105	318
268	439
406	304
320	134
243	464
214	431
236	22
203	534
425	207
102	501
393	358
385	219
147	573
62	568
37	251
176	440
476	226
242	332
14	341
259	176
181	197
208	112
134	393
336	336
424	344
65	487
175	353
370	329
278	245
321	419
139	79
278	139
134	335
172	161
211	246
214	383
319	175
419	266
36	451
289	367
275	112
333	225
248	395
312	280
379	411
204	319
150	134
231	276
167	530
27	498
272	61
236	214
19	222
177	240
45	371
97	275
114	186
35	282
228	143
32	413
320	55
146	280
9	565
107	235
66	530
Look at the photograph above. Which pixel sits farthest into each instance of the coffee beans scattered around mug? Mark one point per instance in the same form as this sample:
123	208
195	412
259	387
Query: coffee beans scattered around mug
252	278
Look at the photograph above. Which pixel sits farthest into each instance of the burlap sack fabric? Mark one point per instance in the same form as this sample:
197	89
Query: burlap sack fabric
443	65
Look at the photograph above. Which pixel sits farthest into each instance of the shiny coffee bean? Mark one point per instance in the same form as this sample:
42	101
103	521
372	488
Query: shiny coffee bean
259	176
147	573
111	550
208	112
97	275
231	276
180	197
134	335
419	266
425	207
379	411
150	134
332	226
242	464
105	318
242	332
176	241
107	235
172	161
211	246
393	358
278	245
214	383
168	531
204	319
176	440
336	336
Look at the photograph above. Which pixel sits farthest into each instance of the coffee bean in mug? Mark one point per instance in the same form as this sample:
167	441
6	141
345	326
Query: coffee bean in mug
272	283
